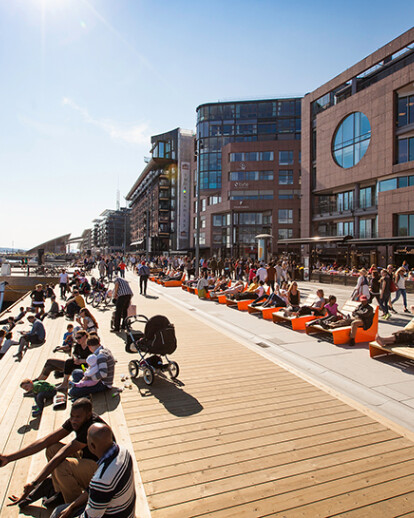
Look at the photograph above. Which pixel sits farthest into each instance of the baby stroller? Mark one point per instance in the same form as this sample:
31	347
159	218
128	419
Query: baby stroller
157	341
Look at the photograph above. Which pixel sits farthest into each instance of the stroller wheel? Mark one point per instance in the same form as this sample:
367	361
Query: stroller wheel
133	368
173	369
149	375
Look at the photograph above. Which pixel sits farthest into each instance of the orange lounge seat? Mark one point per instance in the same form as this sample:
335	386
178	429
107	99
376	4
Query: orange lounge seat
242	305
340	335
297	323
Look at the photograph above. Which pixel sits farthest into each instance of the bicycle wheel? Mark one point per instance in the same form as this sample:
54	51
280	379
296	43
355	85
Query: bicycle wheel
96	300
89	297
108	298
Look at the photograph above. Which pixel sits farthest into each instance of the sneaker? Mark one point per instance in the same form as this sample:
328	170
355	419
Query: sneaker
392	309
36	412
351	342
407	310
387	316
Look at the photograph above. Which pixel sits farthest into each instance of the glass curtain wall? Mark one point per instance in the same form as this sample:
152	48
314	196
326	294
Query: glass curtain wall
222	123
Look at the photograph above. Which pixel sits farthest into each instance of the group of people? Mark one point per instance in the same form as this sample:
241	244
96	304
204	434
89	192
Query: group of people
268	289
91	475
380	284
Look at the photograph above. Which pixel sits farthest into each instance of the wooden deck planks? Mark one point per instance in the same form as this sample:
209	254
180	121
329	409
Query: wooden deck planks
236	435
244	437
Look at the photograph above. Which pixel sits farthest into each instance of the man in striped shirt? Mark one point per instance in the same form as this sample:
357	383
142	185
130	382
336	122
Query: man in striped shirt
122	296
111	492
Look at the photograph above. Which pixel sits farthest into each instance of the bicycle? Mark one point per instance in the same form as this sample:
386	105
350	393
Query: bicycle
102	297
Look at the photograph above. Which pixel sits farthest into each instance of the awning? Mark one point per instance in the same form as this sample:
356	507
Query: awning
313	240
396	240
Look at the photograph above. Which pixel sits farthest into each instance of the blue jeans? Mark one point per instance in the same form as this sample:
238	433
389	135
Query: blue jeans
78	392
43	396
403	292
384	304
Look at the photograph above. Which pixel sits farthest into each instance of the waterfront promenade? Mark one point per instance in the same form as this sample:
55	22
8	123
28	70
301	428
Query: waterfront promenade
262	421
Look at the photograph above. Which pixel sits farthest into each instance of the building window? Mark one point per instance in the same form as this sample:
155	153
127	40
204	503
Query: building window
253	156
405	224
249	176
365	198
202	238
405	111
251	195
285	157
345	228
388	185
405	150
285	216
288	194
220	220
246	129
345	201
266	128
246	111
285	177
351	140
366	228
396	183
203	204
254	218
285	233
213	200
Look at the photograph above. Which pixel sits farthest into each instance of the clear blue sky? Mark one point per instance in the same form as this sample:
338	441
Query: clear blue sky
85	83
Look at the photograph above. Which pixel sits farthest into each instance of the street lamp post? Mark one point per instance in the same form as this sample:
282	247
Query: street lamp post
197	243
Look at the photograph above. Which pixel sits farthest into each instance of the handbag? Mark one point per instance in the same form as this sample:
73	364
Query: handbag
393	286
132	310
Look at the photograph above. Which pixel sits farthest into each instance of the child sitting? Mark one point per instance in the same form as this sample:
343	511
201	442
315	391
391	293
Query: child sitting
42	391
333	314
89	376
68	341
8	342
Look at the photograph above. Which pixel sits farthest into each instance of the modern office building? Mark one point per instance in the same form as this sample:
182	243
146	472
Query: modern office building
248	165
111	231
358	161
160	198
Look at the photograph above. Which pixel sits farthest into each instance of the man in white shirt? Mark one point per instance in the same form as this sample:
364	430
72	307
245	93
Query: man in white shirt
63	283
262	273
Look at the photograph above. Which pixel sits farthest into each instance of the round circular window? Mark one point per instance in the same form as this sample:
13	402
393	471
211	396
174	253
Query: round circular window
351	140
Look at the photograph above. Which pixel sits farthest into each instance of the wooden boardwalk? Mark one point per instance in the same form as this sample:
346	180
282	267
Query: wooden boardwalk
235	435
240	436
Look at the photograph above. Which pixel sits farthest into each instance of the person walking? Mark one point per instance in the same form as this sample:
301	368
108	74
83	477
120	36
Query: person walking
122	296
385	293
144	273
399	279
